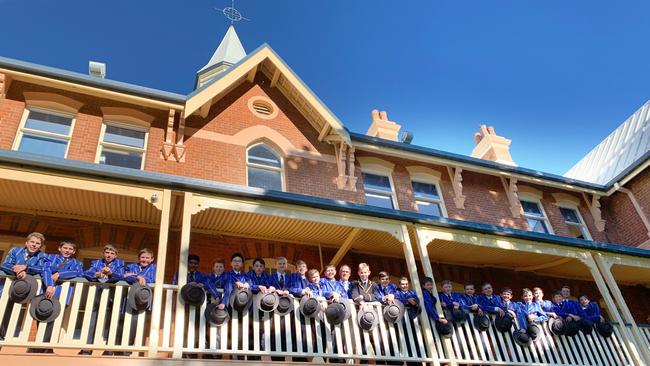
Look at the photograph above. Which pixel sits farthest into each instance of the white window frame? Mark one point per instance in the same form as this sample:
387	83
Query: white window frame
22	129
440	201
393	195
101	144
533	199
266	167
381	167
582	225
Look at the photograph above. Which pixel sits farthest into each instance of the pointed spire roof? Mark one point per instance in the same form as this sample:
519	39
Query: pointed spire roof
229	52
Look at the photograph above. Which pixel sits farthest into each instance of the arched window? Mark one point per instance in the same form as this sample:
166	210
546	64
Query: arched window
264	168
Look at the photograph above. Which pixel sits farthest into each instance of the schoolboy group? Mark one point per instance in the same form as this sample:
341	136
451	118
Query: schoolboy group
234	289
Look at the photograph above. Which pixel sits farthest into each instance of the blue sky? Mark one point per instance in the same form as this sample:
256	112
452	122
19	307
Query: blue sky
555	76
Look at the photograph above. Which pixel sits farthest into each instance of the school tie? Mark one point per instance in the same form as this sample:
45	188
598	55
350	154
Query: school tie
192	277
282	280
62	265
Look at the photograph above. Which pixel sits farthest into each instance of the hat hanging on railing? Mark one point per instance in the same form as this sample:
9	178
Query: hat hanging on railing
23	290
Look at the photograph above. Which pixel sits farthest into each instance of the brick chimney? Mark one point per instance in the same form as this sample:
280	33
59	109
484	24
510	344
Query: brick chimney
383	128
490	146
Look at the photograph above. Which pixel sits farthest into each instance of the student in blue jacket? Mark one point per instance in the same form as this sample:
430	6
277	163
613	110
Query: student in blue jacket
144	271
489	302
538	297
469	300
590	309
235	278
332	289
30	259
281	279
449	300
214	282
108	269
408	297
299	280
430	300
387	289
566	309
508	305
529	311
260	281
194	276
62	266
344	278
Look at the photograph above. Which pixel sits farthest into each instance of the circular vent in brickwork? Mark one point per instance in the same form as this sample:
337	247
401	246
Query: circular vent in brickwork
262	107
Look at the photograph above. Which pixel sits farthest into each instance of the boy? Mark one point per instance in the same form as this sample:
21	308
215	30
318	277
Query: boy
144	271
449	300
488	302
193	275
344	278
315	285
110	269
62	266
529	311
408	297
590	309
280	281
259	279
29	259
364	290
468	301
509	306
214	282
430	301
387	290
332	289
299	281
538	297
566	309
235	278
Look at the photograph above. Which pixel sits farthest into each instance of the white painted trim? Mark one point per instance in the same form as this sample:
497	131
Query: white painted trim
525	196
582	225
440	200
380	167
113	146
266	167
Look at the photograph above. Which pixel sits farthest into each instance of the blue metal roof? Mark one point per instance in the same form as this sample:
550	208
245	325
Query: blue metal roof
159	180
88	80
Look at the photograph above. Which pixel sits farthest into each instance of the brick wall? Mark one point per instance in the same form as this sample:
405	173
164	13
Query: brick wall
624	225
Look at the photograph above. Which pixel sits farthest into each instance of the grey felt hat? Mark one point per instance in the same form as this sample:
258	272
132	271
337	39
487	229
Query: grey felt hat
23	290
45	310
140	297
267	302
309	307
394	312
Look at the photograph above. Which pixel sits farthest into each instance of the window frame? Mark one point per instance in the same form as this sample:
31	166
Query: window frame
582	225
22	129
112	146
266	167
538	202
440	201
393	194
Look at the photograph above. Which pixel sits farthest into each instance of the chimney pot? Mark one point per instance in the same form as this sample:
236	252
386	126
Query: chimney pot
383	128
490	146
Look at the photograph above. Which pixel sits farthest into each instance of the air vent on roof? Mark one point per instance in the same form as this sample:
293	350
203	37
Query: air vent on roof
405	137
97	69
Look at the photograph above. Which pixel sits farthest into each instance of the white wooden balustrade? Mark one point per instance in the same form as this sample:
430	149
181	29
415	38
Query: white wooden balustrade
254	333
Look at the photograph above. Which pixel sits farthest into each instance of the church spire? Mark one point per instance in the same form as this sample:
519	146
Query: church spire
229	52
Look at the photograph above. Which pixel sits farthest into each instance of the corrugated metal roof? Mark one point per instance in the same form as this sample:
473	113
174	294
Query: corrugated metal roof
617	152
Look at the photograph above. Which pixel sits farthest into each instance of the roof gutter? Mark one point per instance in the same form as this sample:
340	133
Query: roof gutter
49	165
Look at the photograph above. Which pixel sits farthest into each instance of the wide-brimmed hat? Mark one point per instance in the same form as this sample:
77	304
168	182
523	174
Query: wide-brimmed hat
571	328
240	299
285	305
139	297
586	326
481	322
458	316
267	302
444	330
556	326
605	329
215	315
309	307
193	294
23	290
522	339
503	323
394	312
533	331
367	318
45	310
335	313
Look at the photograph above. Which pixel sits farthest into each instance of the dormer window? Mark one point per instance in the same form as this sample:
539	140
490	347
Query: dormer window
264	168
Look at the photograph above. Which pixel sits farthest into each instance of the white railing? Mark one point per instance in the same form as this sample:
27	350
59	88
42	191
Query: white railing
493	347
96	320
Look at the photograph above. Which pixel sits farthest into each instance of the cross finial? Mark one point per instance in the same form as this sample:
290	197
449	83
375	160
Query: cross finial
231	13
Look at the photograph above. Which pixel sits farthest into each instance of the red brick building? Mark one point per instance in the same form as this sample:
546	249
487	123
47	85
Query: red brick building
253	162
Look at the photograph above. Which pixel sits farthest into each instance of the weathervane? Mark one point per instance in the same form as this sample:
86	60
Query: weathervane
231	13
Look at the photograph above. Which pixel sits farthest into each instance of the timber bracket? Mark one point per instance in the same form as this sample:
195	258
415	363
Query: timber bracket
455	174
345	167
174	148
594	208
510	186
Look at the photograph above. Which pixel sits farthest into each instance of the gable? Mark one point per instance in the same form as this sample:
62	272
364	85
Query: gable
266	61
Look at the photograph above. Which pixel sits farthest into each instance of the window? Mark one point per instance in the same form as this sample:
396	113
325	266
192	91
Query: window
379	191
427	199
536	217
123	146
264	168
577	227
44	132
